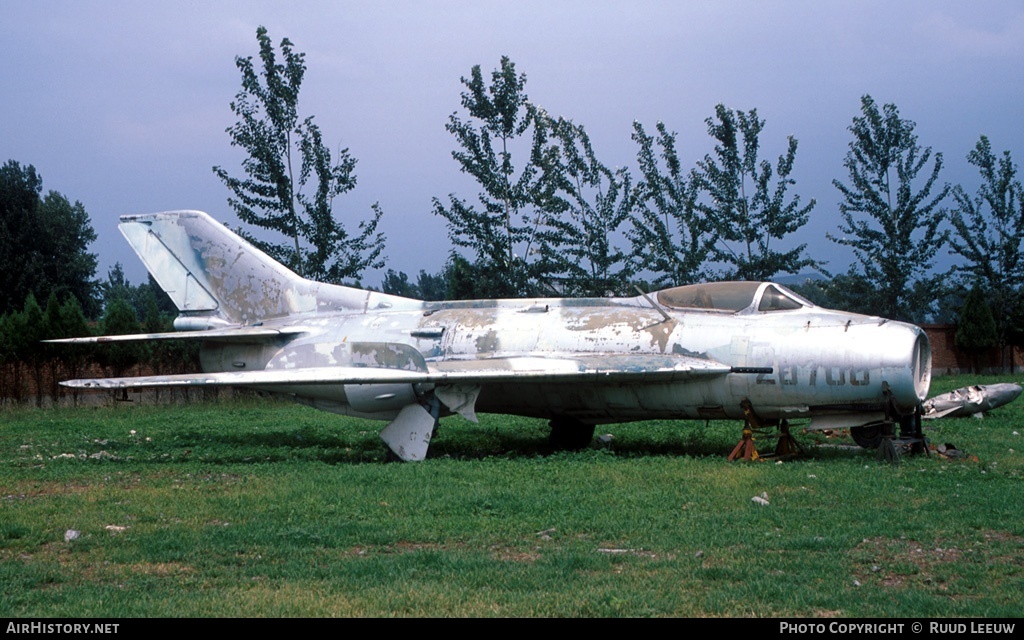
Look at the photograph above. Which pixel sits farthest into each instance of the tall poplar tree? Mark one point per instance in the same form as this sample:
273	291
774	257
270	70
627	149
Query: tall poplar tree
549	214
989	234
891	217
581	232
745	199
670	239
292	178
502	228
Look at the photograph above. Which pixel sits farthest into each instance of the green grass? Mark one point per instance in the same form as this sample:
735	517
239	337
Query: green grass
267	509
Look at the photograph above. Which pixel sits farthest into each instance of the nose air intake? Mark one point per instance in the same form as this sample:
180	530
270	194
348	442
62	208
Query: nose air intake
909	369
922	366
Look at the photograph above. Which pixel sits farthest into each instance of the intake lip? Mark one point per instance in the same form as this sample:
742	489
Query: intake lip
922	367
909	367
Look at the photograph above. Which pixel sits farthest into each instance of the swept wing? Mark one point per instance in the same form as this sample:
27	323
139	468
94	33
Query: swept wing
591	368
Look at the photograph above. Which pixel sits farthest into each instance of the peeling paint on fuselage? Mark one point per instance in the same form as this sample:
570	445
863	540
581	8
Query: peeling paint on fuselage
714	344
818	358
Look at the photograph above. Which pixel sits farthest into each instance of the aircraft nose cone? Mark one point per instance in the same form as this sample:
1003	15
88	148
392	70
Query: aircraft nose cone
1003	392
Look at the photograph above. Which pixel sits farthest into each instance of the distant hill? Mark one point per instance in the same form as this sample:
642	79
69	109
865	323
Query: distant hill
799	278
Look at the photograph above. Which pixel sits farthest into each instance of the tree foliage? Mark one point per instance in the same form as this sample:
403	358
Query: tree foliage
22	350
397	283
549	214
73	358
465	280
976	328
291	177
427	286
502	229
746	202
989	230
119	319
33	351
670	238
583	220
44	242
891	219
138	296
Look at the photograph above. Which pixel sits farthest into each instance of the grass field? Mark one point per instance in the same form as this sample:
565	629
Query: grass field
268	509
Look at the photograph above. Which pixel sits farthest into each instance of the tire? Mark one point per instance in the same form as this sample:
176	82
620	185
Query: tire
568	434
868	436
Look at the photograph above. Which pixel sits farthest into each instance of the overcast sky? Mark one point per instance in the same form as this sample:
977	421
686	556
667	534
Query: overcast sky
124	105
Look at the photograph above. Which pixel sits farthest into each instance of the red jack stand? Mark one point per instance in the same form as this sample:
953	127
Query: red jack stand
787	444
745	447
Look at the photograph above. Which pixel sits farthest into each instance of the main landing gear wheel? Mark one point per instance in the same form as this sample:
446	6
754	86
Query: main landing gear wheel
568	434
878	436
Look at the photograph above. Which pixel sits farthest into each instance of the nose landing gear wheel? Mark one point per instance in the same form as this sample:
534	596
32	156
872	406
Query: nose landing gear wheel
869	436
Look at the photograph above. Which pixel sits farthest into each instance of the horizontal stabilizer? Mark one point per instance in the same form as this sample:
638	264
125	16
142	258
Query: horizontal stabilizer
592	369
243	334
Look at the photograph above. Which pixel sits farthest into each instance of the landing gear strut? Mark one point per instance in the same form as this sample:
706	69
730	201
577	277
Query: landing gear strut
882	436
912	433
886	449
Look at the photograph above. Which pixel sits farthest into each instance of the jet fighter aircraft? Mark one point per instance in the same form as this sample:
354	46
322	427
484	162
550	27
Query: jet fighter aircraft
745	350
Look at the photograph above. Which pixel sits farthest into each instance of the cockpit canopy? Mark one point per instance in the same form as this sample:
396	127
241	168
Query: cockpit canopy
732	297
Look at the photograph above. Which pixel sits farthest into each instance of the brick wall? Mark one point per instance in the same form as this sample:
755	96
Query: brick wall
948	360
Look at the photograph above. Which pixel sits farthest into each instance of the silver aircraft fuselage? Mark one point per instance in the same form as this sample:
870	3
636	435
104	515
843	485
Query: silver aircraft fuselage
805	362
714	350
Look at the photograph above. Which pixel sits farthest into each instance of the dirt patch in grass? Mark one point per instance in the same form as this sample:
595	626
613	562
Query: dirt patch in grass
399	548
84	567
513	554
826	613
410	547
159	568
501	553
50	489
638	553
1001	536
1014	543
898	562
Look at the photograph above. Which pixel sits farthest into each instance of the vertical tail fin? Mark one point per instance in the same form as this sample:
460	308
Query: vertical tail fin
216	278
